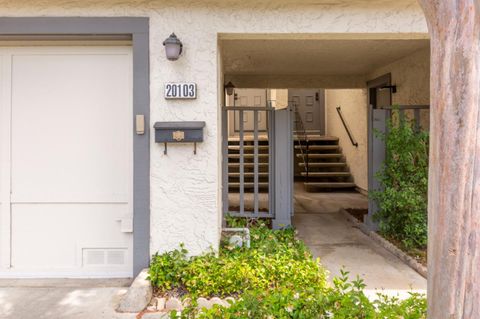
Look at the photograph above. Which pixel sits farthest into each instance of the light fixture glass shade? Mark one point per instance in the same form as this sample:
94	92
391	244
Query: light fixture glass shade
229	88
173	47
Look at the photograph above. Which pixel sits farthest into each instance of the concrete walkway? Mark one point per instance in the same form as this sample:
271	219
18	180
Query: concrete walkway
338	243
62	299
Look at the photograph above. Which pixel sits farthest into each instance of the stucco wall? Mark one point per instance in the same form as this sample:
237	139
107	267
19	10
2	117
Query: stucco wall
411	75
185	189
353	103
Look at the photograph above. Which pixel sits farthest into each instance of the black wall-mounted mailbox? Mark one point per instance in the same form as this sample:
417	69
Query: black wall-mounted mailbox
179	132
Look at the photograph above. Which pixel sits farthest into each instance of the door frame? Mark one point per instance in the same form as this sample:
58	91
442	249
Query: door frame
138	29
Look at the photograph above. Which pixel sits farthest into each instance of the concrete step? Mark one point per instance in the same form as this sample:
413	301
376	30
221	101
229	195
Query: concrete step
321	156
318	147
247	174
247	147
247	164
315	138
327	174
248	185
247	155
326	164
329	185
248	138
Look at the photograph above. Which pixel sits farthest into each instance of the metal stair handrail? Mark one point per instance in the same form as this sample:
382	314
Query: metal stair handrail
347	128
301	133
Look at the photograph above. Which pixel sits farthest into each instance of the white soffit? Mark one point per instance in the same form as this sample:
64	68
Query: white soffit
314	56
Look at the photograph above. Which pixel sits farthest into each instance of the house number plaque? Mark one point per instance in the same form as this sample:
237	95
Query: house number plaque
180	90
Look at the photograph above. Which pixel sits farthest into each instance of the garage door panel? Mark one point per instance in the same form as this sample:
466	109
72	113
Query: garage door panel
77	136
66	162
4	161
2	127
60	236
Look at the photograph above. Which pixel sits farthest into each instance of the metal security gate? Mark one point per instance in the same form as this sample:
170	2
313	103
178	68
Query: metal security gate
257	163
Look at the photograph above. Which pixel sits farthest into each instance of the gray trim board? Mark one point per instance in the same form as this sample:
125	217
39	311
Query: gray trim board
74	25
138	29
376	147
283	155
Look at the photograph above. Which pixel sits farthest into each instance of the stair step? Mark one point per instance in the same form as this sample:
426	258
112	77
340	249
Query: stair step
327	174
333	164
248	138
330	185
248	185
247	147
318	147
317	156
316	138
247	164
247	155
247	174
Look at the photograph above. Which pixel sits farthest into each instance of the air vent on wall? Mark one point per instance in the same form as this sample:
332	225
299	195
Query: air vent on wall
103	256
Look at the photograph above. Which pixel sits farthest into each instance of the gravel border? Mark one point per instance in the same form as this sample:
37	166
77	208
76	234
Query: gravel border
410	261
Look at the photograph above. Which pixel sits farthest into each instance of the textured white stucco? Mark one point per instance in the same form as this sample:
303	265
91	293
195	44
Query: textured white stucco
411	75
185	189
353	103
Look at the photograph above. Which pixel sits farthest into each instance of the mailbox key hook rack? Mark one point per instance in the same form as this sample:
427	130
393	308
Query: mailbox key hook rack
179	132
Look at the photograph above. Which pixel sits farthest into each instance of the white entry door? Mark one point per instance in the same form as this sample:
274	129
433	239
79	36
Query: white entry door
255	98
66	162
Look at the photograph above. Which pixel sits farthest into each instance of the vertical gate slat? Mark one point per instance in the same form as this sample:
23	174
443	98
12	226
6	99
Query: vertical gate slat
226	204
242	168
255	161
416	114
271	162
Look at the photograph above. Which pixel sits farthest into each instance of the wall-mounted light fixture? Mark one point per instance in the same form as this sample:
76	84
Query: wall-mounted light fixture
173	47
229	88
393	88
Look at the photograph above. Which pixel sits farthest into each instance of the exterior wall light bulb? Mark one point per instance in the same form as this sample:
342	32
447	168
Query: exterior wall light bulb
173	47
229	87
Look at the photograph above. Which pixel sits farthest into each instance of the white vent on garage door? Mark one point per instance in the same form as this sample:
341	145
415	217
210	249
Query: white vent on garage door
104	257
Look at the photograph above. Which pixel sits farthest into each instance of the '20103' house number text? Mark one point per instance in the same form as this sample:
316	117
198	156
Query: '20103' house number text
180	91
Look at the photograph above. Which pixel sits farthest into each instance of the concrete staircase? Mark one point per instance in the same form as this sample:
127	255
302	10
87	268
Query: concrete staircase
248	158
326	166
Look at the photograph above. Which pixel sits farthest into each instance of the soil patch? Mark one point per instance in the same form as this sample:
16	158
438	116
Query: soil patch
420	255
358	213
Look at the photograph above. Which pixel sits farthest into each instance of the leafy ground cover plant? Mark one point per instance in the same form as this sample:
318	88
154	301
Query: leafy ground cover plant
402	199
276	278
344	300
275	259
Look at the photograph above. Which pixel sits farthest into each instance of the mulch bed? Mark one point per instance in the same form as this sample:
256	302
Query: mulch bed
418	254
358	213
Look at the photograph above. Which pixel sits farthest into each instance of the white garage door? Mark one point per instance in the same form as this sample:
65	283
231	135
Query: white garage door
66	162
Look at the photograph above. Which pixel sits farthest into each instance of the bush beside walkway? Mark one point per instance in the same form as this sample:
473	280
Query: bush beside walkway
275	278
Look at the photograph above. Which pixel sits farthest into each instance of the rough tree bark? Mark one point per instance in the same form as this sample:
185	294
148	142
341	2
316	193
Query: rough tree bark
454	176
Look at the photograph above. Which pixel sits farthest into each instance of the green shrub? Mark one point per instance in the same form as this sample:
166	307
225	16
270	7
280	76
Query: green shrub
402	201
276	278
275	260
345	300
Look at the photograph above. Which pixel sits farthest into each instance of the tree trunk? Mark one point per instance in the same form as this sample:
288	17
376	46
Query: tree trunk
454	176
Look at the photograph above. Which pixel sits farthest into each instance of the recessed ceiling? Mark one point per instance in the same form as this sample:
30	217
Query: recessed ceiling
313	57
